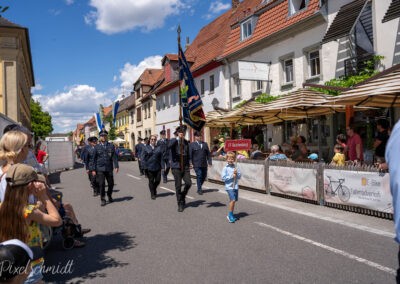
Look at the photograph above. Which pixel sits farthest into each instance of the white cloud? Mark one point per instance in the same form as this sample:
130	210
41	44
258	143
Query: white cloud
75	105
217	7
69	2
114	16
37	87
130	73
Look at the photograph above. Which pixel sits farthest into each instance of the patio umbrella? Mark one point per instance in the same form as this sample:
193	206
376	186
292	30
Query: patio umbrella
382	90
302	103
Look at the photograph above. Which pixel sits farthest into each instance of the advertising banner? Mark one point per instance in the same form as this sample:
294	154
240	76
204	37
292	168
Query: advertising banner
214	172
238	144
253	175
369	190
297	182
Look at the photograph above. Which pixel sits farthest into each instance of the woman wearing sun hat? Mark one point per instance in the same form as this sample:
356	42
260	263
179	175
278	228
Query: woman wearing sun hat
21	220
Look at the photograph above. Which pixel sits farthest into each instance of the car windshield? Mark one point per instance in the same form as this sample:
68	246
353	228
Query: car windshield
125	150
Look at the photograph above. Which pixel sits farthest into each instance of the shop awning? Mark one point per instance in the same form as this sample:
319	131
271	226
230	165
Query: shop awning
382	90
300	104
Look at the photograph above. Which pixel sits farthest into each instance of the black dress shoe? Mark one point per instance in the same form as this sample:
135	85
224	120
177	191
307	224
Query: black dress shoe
153	197
180	207
200	192
103	202
110	199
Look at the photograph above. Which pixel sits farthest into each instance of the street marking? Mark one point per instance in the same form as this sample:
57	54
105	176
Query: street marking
170	190
331	249
316	216
133	176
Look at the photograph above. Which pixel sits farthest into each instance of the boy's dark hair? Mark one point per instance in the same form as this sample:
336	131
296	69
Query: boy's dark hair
339	147
383	123
341	137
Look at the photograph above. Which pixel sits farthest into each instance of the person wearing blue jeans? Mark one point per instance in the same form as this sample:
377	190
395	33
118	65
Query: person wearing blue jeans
392	157
200	158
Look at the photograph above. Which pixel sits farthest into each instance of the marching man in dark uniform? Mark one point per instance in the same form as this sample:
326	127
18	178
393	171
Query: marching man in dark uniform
152	157
200	156
178	172
89	154
138	148
163	144
102	164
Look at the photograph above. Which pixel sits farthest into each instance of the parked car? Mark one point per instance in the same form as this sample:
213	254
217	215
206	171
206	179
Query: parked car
125	154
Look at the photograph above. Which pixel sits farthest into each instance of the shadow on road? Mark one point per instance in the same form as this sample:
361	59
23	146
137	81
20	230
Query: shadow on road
241	215
216	204
164	194
196	203
89	261
125	198
209	190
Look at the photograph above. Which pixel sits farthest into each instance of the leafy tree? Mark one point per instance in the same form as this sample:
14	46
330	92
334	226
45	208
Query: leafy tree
111	133
40	120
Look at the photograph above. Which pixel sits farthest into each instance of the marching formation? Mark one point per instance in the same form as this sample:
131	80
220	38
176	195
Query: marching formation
156	157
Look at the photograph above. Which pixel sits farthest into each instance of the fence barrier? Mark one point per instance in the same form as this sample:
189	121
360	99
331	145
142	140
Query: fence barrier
364	189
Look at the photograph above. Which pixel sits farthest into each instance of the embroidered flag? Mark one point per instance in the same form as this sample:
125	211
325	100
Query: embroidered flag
192	106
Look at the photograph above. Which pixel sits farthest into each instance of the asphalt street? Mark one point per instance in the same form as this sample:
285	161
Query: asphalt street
276	240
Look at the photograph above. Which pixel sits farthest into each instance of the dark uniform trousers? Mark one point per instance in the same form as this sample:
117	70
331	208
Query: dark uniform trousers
154	180
101	178
93	183
178	176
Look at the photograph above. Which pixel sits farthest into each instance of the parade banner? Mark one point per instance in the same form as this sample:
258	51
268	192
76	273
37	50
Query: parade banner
369	190
297	182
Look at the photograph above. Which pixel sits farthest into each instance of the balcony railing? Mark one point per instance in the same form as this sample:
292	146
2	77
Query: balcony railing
355	65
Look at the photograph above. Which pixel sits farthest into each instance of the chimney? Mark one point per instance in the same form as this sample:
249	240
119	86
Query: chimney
235	4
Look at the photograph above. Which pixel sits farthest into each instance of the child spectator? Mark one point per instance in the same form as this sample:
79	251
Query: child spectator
230	176
41	156
338	159
341	139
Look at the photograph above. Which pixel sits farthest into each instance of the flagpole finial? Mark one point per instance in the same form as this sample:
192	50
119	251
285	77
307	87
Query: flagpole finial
179	29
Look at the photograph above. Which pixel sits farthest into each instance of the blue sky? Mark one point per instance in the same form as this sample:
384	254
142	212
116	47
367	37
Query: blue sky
89	52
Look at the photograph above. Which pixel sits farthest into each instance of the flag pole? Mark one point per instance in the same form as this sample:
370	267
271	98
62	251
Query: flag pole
180	99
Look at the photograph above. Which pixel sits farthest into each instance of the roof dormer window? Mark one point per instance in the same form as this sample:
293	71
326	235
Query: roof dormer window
296	6
247	28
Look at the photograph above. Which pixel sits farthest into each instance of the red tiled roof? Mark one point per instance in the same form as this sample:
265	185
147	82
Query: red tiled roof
107	110
272	20
150	76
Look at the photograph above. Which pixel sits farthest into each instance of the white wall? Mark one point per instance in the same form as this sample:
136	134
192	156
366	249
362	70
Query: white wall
384	33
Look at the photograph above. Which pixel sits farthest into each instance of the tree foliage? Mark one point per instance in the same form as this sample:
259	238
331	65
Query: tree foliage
111	133
40	120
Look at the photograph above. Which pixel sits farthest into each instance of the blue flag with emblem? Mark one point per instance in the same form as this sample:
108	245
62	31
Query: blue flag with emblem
192	106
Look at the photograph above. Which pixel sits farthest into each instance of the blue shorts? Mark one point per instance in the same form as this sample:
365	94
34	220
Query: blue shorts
233	194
